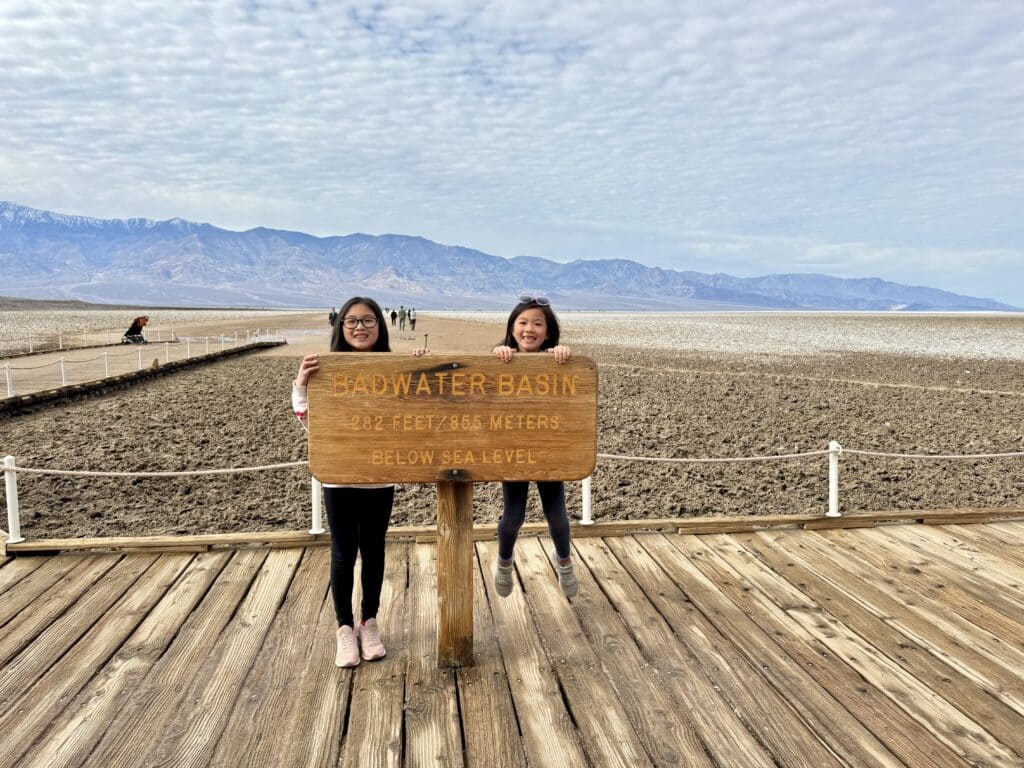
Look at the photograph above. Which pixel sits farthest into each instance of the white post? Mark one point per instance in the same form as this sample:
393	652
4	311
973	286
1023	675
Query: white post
207	345
106	366
13	516
30	345
10	384
318	514
158	335
167	351
140	358
63	374
108	337
834	449
60	339
188	349
222	342
587	516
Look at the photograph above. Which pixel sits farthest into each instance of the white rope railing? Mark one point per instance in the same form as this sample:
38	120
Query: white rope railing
727	460
11	471
222	340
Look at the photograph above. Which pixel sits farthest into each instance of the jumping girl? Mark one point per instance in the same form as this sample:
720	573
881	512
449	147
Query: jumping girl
358	514
533	327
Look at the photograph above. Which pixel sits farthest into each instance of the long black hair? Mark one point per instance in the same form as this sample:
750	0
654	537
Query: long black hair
549	314
338	341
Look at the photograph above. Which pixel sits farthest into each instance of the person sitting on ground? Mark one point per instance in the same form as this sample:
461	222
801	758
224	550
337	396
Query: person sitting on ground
134	333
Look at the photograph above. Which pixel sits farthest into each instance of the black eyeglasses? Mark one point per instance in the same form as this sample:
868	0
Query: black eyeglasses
367	322
542	301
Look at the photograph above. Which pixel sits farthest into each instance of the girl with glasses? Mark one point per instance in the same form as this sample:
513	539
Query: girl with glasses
533	327
358	514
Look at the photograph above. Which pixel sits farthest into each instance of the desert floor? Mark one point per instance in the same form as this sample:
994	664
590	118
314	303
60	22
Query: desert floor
236	413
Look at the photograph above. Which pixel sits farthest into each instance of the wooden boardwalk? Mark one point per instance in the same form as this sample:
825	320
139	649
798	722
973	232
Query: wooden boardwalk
886	646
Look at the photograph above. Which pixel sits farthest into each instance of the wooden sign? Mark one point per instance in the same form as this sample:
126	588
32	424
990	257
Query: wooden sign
376	418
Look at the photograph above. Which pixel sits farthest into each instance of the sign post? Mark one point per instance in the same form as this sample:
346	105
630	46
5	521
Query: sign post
377	418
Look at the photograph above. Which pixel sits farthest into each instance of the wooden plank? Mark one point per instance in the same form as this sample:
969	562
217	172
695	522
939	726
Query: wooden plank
31	714
54	641
927	622
16	570
373	736
488	713
993	539
605	729
213	692
638	680
454	575
549	737
938	589
941	720
160	697
740	718
601	529
757	679
76	731
391	418
292	538
53	576
278	702
752	624
812	575
432	728
996	581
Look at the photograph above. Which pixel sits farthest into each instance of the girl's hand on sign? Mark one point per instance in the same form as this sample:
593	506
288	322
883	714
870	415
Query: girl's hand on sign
420	351
504	353
561	353
310	364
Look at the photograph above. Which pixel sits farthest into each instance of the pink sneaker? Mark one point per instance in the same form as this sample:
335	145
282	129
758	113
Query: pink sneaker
348	648
369	639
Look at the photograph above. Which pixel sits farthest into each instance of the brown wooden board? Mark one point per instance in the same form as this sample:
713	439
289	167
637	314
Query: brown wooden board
734	681
160	697
811	573
71	737
377	418
485	699
943	721
31	715
907	738
373	736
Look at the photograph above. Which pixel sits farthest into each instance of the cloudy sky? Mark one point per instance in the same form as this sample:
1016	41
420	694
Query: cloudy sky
851	137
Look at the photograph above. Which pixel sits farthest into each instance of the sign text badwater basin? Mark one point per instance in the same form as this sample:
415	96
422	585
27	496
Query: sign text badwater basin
376	418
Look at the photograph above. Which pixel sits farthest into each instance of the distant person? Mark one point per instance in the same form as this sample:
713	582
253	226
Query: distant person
134	333
402	314
332	316
533	327
394	317
358	514
412	318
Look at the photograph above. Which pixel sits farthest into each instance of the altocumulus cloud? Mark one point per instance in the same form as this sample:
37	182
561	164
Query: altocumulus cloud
856	138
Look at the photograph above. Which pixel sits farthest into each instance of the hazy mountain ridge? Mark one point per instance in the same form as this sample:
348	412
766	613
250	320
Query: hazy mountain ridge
58	256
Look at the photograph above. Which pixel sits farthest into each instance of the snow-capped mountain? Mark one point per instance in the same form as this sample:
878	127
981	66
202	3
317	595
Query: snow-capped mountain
52	255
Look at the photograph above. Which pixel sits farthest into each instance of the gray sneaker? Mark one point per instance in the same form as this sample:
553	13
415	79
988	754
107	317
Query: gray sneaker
566	577
503	579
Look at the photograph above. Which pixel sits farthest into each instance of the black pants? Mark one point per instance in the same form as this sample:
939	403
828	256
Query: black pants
552	500
359	519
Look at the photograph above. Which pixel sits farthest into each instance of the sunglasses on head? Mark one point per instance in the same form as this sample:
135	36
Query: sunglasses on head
542	301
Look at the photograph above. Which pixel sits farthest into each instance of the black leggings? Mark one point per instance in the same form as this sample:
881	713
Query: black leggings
552	500
359	520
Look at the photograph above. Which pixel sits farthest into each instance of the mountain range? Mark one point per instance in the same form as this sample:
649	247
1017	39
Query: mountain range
55	256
